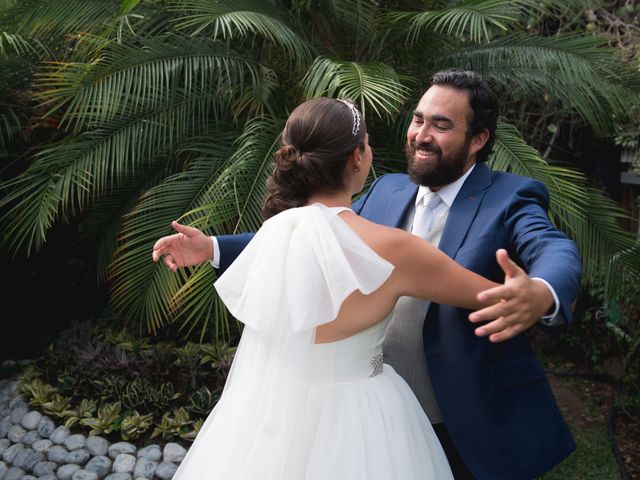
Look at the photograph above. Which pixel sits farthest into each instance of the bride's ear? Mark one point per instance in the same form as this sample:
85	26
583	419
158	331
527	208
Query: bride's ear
354	162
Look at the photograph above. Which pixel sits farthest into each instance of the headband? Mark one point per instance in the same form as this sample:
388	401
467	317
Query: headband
356	117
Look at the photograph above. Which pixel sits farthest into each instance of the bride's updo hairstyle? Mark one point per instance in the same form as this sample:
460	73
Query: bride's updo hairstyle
317	140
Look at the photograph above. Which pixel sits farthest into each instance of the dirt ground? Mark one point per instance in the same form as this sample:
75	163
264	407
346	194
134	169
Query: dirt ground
584	402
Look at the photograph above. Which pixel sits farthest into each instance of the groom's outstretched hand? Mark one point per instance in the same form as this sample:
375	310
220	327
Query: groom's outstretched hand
519	303
186	248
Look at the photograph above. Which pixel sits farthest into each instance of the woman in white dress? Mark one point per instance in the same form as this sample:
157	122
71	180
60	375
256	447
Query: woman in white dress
308	396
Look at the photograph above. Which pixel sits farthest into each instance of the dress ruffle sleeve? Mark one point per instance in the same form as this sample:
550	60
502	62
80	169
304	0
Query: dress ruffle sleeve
298	269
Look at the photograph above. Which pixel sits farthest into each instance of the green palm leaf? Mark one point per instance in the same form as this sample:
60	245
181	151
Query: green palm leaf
241	19
66	177
16	45
103	222
575	69
233	203
353	20
476	20
148	292
374	86
130	79
11	127
57	18
623	267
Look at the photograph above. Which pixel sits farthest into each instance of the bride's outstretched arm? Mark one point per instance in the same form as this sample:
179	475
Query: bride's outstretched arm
423	271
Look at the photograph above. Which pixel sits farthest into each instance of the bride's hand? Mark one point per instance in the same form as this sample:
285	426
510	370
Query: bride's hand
519	303
186	248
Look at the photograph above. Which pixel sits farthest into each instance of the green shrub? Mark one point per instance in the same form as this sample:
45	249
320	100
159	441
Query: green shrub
113	383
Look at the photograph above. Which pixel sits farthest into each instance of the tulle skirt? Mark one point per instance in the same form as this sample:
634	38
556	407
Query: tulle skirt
368	429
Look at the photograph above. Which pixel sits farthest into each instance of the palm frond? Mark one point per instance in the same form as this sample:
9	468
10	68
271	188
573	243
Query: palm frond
16	45
233	203
56	18
374	86
130	79
260	97
241	19
625	262
567	10
146	292
11	127
102	224
127	6
197	305
66	177
474	20
356	18
577	70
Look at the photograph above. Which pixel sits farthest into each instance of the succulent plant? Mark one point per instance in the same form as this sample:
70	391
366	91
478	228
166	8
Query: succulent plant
86	409
57	406
107	420
134	425
172	426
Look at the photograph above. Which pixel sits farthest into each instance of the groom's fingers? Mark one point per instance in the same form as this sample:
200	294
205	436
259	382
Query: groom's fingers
501	329
184	229
497	310
495	294
159	249
170	262
505	334
509	267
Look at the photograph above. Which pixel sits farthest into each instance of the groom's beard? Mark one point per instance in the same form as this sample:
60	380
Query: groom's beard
442	170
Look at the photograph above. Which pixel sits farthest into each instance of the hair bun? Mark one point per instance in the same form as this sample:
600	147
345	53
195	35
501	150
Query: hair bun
287	157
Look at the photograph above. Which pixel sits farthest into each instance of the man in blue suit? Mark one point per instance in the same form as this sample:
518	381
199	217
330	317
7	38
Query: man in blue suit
481	386
488	396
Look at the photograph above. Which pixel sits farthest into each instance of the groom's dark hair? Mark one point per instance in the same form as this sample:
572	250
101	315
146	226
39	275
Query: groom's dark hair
482	100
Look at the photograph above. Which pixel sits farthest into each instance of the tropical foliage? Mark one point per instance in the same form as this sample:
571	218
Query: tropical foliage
125	115
106	380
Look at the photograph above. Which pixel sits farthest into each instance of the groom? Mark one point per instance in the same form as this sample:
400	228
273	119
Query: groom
479	383
490	402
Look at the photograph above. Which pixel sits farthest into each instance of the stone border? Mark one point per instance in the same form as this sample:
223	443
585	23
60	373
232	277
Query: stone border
32	446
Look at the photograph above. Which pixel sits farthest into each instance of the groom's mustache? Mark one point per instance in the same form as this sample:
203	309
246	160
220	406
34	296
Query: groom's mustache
428	147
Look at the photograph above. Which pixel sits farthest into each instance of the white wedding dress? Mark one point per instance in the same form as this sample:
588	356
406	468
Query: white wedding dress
295	410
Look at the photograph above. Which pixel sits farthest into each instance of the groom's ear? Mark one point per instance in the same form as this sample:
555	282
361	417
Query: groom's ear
478	141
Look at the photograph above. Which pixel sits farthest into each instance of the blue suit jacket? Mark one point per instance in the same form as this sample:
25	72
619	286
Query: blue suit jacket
495	399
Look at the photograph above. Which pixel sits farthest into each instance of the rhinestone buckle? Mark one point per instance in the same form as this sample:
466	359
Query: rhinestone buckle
376	363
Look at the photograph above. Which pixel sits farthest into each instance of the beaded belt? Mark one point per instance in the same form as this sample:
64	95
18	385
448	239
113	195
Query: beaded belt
376	363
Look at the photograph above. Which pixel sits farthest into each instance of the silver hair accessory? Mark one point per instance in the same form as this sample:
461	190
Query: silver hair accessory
356	117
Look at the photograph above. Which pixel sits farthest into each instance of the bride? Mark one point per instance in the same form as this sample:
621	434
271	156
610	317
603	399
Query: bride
308	395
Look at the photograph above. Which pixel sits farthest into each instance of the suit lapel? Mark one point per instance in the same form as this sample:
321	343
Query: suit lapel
400	201
464	209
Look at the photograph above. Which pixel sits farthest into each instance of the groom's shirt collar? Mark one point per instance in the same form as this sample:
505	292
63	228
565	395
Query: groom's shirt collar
447	193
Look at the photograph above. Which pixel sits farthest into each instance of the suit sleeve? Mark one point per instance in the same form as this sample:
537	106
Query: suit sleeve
544	251
230	247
